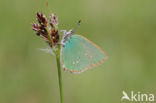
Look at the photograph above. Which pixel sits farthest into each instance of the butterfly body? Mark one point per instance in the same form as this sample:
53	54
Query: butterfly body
79	54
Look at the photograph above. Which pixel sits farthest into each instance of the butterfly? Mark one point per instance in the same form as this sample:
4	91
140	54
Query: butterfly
78	54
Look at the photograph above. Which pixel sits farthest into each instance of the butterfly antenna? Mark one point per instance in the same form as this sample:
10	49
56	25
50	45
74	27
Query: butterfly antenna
78	24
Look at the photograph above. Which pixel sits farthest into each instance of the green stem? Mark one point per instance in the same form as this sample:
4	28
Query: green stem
59	74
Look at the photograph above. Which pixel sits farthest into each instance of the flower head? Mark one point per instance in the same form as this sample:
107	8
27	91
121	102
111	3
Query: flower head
48	30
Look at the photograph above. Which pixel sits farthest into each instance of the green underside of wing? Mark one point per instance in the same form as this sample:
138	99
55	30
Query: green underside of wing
79	54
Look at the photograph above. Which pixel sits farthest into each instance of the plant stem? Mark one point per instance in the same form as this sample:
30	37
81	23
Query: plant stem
59	74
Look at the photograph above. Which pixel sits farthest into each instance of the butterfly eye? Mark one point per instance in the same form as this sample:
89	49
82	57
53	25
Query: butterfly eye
72	31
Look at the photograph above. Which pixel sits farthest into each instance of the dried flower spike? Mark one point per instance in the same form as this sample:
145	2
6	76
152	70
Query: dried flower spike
42	20
49	33
53	20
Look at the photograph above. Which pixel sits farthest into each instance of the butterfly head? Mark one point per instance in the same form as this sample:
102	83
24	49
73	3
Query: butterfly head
71	32
66	35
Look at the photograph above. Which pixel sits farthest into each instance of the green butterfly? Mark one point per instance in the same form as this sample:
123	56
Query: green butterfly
78	54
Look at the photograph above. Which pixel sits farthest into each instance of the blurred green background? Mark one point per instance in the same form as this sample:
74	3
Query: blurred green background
125	29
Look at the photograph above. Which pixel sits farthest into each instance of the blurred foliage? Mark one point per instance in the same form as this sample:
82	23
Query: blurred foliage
125	29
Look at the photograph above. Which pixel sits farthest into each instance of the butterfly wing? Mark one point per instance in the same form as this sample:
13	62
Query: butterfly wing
80	54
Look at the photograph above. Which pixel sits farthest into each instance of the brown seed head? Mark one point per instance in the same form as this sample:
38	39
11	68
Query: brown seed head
49	34
42	20
53	20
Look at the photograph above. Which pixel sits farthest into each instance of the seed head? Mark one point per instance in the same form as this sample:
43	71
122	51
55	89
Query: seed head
49	33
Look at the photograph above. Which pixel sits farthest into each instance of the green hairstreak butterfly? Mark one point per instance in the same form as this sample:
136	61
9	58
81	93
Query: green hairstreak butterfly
79	54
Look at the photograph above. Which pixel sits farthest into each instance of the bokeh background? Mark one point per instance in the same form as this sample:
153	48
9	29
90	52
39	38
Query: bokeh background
125	29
